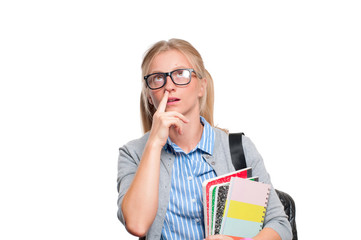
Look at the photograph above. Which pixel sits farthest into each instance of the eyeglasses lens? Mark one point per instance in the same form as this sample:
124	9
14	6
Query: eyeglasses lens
156	80
181	76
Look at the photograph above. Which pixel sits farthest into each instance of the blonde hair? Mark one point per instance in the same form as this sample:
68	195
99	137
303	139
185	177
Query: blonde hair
206	102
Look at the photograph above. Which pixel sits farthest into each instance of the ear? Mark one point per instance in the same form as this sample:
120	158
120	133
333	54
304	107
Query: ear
203	87
150	100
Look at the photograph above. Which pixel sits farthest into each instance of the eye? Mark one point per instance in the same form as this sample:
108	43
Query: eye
182	73
158	78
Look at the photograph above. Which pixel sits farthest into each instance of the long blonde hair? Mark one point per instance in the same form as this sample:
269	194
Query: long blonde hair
206	102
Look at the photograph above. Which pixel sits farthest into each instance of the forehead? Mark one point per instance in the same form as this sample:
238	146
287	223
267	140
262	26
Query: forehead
168	61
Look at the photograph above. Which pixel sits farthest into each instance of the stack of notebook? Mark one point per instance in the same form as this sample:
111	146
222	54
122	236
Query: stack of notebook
235	204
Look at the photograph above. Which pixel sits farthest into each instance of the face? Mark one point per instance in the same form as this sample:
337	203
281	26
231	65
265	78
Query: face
183	99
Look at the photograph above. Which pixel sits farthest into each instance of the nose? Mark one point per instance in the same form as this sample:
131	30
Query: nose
169	85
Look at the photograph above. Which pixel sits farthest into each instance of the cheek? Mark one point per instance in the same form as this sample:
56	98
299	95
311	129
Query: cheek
154	99
151	99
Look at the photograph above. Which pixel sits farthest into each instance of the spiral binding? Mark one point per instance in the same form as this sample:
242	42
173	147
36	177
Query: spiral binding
265	209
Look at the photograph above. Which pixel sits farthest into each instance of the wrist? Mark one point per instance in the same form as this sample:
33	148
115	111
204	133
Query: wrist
154	145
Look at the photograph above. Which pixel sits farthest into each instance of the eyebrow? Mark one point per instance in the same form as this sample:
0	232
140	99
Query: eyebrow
178	67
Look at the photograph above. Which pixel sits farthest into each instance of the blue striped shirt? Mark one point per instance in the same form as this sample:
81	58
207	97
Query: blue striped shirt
184	217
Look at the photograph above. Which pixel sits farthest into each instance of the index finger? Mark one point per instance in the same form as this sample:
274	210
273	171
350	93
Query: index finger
163	103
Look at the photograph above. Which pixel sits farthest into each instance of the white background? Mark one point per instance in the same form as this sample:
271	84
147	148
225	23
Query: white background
286	73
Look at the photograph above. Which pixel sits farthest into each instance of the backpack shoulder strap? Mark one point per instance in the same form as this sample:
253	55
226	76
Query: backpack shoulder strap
236	149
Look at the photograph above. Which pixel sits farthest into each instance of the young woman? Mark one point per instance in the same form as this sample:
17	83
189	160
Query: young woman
160	175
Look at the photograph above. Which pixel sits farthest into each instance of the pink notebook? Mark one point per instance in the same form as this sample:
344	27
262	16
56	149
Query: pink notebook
245	208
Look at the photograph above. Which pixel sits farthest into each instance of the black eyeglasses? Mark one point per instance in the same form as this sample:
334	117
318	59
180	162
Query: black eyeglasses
179	77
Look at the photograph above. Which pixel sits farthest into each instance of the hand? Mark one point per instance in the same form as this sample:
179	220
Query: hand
163	120
218	237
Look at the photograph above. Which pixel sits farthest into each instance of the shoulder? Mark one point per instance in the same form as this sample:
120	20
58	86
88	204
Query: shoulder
221	142
247	143
221	139
249	148
136	145
220	135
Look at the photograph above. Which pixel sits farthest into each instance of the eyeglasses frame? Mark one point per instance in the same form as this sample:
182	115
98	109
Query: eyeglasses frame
191	70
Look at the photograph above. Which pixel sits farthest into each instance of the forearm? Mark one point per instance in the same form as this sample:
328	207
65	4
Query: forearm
267	234
140	203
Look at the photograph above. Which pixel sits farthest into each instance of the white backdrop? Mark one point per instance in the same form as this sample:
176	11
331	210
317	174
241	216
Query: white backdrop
286	73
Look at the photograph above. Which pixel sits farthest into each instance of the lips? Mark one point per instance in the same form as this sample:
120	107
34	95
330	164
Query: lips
173	99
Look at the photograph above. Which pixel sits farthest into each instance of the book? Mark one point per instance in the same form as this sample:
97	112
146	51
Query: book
215	204
220	202
245	208
243	173
219	196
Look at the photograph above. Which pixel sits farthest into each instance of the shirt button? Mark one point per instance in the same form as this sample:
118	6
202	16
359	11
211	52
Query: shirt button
190	178
198	220
194	200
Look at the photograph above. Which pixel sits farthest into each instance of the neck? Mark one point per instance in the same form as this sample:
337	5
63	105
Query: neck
192	134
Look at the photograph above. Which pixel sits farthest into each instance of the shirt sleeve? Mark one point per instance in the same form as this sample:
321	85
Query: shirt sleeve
275	215
127	166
